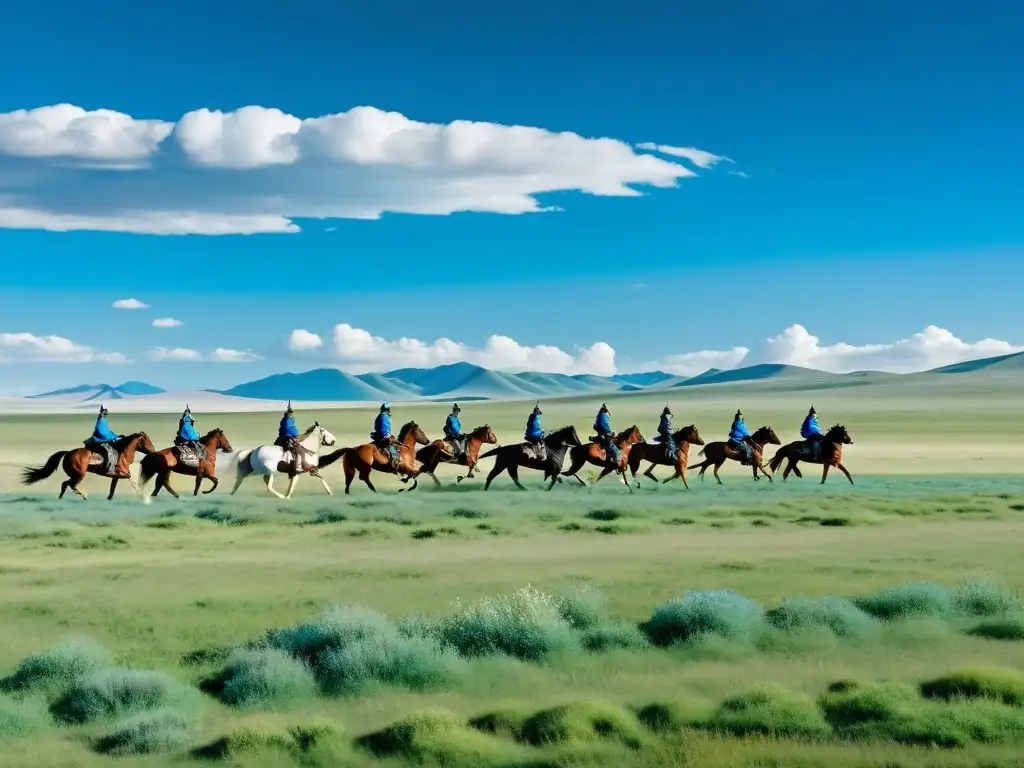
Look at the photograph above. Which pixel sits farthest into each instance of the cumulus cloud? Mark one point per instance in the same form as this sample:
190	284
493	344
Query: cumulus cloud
359	351
698	157
185	355
693	363
222	355
167	322
28	348
129	304
256	169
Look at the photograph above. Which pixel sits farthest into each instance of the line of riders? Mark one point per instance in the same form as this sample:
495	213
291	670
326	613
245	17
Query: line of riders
288	436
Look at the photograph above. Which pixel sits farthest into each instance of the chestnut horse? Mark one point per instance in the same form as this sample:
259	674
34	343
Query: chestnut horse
656	454
718	451
512	457
593	453
364	458
437	453
830	455
163	463
78	462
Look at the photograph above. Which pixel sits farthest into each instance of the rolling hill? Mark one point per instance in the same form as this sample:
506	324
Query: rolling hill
90	392
1012	362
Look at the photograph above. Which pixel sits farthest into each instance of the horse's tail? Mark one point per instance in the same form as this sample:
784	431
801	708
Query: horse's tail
492	452
146	471
330	458
777	459
701	451
421	454
31	475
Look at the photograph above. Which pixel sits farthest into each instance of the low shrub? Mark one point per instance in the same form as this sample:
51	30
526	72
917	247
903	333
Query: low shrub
999	684
266	676
715	612
1005	628
983	598
583	721
583	608
836	614
148	732
118	692
670	717
412	662
771	711
52	670
23	717
506	723
619	634
909	600
439	738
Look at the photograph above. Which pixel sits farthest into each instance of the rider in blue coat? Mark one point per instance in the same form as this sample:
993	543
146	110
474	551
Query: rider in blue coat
605	435
102	433
534	434
288	437
738	434
811	432
665	432
186	429
382	433
453	429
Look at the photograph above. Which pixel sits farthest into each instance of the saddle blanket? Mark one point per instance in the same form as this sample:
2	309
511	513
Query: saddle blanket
531	452
454	447
190	454
104	456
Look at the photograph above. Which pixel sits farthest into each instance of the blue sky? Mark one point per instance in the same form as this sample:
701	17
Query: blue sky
880	189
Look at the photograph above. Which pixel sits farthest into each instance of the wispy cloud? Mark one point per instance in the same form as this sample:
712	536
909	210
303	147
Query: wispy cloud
699	157
29	348
167	322
256	169
129	304
185	355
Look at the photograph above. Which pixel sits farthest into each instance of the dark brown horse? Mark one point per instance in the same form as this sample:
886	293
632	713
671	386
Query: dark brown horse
656	454
440	451
593	453
830	454
719	451
78	462
162	463
512	457
365	458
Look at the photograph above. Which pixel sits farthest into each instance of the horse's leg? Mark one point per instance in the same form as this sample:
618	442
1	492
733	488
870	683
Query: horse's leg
556	476
364	475
673	476
650	473
513	472
497	469
157	484
681	471
843	470
717	465
269	480
292	480
796	470
625	480
167	483
323	482
824	472
113	485
199	482
63	487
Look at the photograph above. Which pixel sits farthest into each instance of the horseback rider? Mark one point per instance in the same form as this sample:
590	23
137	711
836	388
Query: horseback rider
288	438
186	429
811	432
738	435
665	432
453	431
102	440
382	436
535	435
605	435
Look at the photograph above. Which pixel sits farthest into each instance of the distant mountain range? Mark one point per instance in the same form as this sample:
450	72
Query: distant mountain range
465	381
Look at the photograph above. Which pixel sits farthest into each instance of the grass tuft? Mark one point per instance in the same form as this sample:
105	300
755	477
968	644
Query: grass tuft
1005	628
439	738
671	717
53	670
267	676
22	717
715	612
836	614
909	600
117	692
771	711
999	684
583	722
160	731
983	598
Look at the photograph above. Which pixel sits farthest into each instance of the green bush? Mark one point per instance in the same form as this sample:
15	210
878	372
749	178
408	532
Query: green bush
1005	628
51	671
265	676
336	628
583	608
671	717
771	711
983	598
117	692
506	723
614	635
1005	685
148	732
526	624
836	614
412	662
715	612
909	600
439	738
583	721
20	718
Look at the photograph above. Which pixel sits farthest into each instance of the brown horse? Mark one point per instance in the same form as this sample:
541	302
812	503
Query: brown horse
593	453
363	459
830	454
435	453
78	462
163	463
719	451
512	457
656	454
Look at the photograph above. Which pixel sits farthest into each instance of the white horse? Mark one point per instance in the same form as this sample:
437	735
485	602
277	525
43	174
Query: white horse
265	460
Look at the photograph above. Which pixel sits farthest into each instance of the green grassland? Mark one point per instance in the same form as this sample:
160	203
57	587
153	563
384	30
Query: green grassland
526	628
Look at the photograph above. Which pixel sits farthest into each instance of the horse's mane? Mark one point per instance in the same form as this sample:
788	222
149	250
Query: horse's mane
687	428
625	432
405	429
836	428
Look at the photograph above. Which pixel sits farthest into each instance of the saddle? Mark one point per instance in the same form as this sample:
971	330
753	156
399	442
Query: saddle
535	451
455	446
190	453
743	451
389	447
809	449
104	456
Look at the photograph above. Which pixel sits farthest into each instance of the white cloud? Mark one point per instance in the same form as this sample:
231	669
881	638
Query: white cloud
933	347
129	304
358	351
167	322
255	169
301	340
698	157
28	348
177	354
222	355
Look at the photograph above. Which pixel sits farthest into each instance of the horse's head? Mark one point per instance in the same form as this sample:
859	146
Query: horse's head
766	436
145	445
631	435
838	434
218	440
486	434
564	436
326	438
689	434
414	429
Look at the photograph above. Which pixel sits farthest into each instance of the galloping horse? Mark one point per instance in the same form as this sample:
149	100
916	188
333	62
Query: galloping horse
831	454
162	463
365	458
718	451
265	460
435	453
511	457
594	454
656	453
80	461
